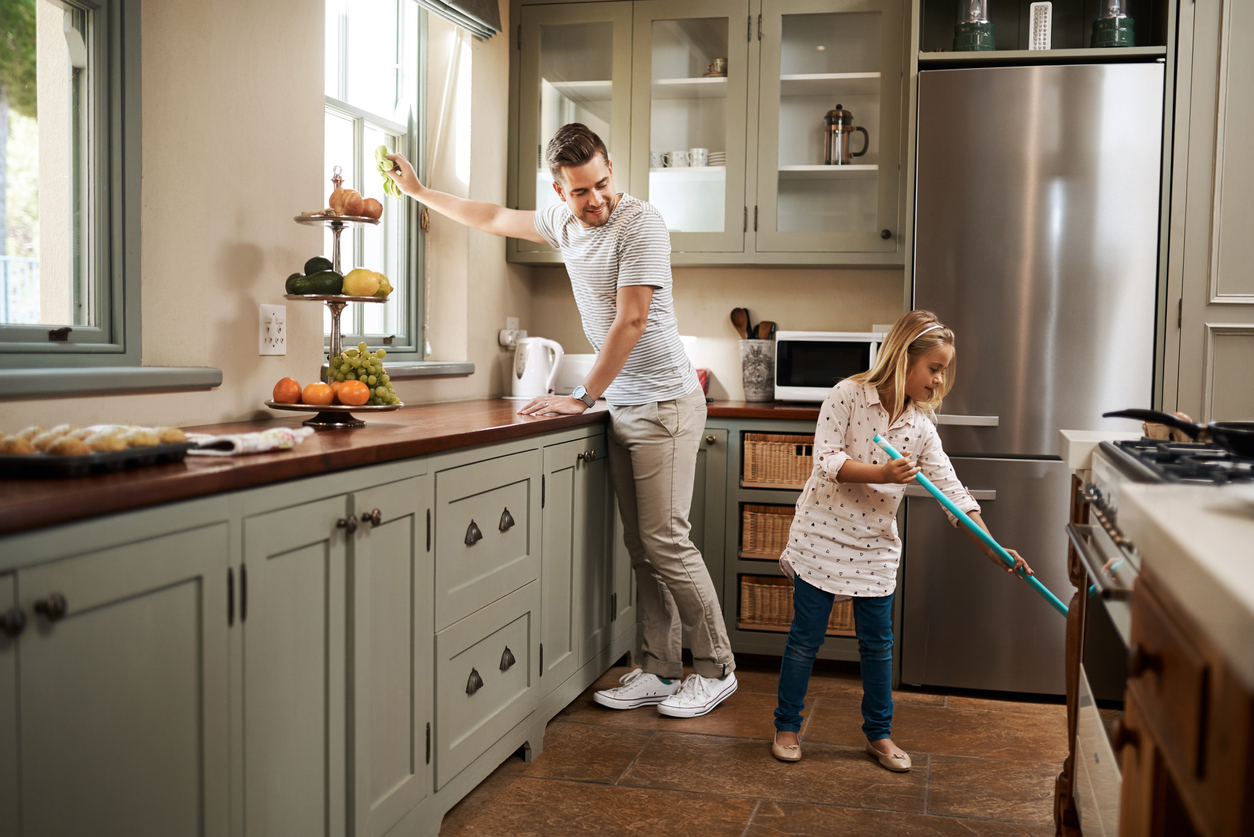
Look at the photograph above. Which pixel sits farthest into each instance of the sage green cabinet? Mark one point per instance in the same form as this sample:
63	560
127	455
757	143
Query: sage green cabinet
123	689
294	614
392	654
8	705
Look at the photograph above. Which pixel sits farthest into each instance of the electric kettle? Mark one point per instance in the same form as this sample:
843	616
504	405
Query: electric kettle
536	361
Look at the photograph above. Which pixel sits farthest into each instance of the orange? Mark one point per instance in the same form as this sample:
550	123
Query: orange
354	393
286	391
335	390
317	394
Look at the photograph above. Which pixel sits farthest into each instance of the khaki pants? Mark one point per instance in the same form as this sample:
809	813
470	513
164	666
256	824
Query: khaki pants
653	461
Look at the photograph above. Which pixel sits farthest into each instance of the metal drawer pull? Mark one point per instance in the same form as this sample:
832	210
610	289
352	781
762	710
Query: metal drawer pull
374	517
986	494
507	659
586	456
14	622
475	683
968	421
473	535
51	608
507	521
349	524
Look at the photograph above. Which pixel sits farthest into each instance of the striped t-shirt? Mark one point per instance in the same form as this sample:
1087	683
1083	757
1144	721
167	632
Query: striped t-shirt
631	248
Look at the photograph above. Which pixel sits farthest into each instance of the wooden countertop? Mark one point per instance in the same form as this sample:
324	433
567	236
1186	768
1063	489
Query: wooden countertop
411	431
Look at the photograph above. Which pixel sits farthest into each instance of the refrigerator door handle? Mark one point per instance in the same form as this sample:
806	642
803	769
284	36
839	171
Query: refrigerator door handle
969	421
976	493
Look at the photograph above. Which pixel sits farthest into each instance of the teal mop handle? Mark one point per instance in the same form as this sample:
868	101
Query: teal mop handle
1005	556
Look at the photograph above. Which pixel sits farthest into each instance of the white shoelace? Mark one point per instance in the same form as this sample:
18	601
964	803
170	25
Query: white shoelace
695	688
628	679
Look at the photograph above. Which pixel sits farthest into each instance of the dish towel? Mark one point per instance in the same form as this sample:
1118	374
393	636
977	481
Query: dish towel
276	438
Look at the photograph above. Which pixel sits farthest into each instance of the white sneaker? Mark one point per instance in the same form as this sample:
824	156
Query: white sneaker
638	689
698	695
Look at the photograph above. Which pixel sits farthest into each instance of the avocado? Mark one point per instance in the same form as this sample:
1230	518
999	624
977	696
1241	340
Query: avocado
322	282
318	264
288	286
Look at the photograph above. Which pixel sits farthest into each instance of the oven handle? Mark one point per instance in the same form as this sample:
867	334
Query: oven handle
969	421
1080	534
916	490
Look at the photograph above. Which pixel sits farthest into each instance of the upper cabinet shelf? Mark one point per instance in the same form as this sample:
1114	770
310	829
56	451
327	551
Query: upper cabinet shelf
1010	57
595	90
714	87
828	84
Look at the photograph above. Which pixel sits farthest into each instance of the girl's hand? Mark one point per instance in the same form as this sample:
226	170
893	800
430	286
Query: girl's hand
898	471
403	175
1019	562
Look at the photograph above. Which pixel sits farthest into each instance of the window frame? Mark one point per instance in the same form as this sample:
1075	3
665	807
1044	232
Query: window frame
413	259
112	108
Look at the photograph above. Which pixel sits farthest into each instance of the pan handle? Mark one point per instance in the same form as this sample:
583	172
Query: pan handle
1159	418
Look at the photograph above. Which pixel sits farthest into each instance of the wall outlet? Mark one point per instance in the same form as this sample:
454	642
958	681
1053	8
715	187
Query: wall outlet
511	324
272	334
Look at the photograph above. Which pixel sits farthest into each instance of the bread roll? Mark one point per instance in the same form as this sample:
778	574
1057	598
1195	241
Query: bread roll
170	435
29	433
68	446
15	446
105	442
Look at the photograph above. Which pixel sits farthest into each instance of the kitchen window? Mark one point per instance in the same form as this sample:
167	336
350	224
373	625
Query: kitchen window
69	171
375	72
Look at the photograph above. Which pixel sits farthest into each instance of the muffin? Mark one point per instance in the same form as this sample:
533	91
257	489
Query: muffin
45	439
29	433
105	442
170	435
139	437
15	446
68	446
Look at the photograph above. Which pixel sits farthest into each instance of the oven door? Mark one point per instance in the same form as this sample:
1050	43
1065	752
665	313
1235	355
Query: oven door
1098	781
809	364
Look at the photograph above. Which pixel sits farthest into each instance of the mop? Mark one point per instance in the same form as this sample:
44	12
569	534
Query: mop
1005	556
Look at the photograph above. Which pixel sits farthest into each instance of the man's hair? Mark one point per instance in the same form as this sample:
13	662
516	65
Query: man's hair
573	145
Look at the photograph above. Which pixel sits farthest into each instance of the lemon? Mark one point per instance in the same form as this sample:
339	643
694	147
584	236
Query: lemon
361	282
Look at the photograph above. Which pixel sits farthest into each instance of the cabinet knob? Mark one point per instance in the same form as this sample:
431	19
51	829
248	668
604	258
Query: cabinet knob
348	524
711	439
586	456
473	535
474	683
51	608
507	521
13	622
507	659
1124	736
886	234
374	517
1141	661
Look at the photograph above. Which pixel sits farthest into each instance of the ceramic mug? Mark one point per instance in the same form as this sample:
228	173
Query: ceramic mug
698	156
676	159
656	159
717	66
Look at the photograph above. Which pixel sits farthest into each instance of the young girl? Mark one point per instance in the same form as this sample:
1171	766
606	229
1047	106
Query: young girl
843	541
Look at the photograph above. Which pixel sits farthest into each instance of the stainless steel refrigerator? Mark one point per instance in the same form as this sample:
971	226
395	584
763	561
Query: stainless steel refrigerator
1036	241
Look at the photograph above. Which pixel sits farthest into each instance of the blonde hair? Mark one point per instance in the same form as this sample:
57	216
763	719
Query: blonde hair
906	343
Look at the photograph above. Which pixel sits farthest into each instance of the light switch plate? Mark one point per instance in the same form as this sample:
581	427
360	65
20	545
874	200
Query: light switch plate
272	335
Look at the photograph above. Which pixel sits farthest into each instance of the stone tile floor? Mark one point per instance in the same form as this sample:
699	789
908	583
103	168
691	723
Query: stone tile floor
982	768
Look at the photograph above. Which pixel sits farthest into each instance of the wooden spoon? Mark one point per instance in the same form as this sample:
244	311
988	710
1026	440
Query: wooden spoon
765	327
740	319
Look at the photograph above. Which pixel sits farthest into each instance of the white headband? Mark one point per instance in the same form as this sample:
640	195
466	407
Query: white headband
926	330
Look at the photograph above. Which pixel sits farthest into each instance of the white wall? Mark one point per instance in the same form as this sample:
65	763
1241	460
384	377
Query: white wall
232	150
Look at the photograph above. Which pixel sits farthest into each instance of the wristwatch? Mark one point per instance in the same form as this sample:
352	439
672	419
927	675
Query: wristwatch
581	392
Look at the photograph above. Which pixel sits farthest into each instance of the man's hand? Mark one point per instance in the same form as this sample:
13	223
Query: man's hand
562	405
403	175
898	471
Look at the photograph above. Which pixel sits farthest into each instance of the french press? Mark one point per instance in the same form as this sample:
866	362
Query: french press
839	127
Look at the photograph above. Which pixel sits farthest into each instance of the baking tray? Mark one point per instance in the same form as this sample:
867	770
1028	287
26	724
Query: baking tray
43	465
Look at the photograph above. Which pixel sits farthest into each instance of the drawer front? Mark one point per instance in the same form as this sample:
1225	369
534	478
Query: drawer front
1169	672
486	533
481	695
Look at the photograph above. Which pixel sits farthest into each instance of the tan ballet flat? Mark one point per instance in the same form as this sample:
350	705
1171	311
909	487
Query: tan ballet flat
896	762
792	752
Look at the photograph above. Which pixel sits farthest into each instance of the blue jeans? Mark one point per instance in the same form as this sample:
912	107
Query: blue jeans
873	622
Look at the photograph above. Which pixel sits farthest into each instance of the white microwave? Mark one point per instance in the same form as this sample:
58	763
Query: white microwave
809	363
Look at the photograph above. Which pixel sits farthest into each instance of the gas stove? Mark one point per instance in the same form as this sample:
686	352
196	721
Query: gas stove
1149	460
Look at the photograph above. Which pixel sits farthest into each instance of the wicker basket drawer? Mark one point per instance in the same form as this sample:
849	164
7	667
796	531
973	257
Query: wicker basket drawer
764	531
777	460
766	605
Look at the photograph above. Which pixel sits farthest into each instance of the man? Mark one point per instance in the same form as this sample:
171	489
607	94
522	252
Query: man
617	253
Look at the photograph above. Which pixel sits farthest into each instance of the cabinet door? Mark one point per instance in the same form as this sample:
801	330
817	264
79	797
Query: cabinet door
709	503
294	613
818	55
124	689
392	625
685	108
574	66
8	712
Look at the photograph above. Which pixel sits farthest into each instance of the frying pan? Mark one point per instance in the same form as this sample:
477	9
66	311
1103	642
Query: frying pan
1233	436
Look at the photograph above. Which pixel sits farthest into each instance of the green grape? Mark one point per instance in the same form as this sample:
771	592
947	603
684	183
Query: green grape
380	391
335	363
350	377
381	354
357	364
384	378
339	376
361	347
372	380
351	353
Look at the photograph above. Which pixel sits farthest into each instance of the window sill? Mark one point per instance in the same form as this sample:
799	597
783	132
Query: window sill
429	369
101	379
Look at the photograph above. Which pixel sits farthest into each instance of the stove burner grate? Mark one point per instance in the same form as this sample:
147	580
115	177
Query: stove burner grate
1189	461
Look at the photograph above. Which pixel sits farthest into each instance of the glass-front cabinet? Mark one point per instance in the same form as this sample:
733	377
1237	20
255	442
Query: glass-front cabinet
689	101
830	116
574	66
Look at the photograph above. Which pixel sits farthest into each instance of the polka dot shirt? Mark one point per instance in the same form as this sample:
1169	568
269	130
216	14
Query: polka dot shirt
843	537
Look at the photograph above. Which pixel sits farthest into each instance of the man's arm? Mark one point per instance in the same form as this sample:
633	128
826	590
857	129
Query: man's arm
629	324
481	215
